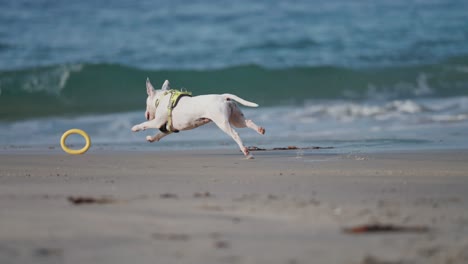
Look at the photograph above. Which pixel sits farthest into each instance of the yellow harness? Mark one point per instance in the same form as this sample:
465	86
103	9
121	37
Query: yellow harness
173	100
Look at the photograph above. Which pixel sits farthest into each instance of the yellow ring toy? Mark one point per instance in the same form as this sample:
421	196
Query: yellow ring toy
75	151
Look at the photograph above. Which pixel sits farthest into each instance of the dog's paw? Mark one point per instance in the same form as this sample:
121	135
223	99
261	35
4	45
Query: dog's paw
150	139
135	128
246	151
261	131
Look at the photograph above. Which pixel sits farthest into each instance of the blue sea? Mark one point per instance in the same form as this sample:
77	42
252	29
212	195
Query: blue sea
364	75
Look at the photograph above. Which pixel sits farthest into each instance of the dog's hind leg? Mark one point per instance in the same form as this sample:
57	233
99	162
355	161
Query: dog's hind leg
250	124
226	127
237	119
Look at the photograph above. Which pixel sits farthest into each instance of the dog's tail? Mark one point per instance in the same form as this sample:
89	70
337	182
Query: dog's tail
239	100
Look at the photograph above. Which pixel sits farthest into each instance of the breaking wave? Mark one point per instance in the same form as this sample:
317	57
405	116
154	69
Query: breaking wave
105	88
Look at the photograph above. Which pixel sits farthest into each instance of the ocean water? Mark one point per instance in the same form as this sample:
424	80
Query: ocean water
354	75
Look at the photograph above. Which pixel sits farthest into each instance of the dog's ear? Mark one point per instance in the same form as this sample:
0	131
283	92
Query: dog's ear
149	87
166	86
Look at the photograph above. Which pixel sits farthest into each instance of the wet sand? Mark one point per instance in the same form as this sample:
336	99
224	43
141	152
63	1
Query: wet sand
213	206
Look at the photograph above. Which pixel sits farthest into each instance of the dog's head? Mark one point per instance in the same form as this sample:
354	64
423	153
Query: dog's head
153	94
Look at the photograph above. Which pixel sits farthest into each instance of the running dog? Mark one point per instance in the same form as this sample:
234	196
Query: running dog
170	111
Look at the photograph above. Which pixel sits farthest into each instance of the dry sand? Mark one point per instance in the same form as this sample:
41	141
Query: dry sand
207	206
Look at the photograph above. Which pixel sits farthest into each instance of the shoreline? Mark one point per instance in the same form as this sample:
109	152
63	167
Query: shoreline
214	206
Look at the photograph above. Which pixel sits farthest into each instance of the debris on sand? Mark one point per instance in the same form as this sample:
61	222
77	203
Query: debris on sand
384	228
168	196
221	244
369	259
202	195
170	236
81	200
48	252
254	148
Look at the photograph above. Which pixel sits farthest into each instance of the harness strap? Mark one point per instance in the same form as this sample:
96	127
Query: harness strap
173	101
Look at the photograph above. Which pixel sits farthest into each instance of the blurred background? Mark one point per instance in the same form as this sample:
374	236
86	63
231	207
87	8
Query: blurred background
355	75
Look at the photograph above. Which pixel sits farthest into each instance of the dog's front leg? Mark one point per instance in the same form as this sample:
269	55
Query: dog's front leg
157	137
145	125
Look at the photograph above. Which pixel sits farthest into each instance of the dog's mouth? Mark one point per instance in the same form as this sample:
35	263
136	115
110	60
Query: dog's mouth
147	116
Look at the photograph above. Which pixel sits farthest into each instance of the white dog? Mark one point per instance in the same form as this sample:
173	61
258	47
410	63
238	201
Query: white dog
170	113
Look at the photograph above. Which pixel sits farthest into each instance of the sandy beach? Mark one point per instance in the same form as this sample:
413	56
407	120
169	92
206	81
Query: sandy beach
213	206
375	93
